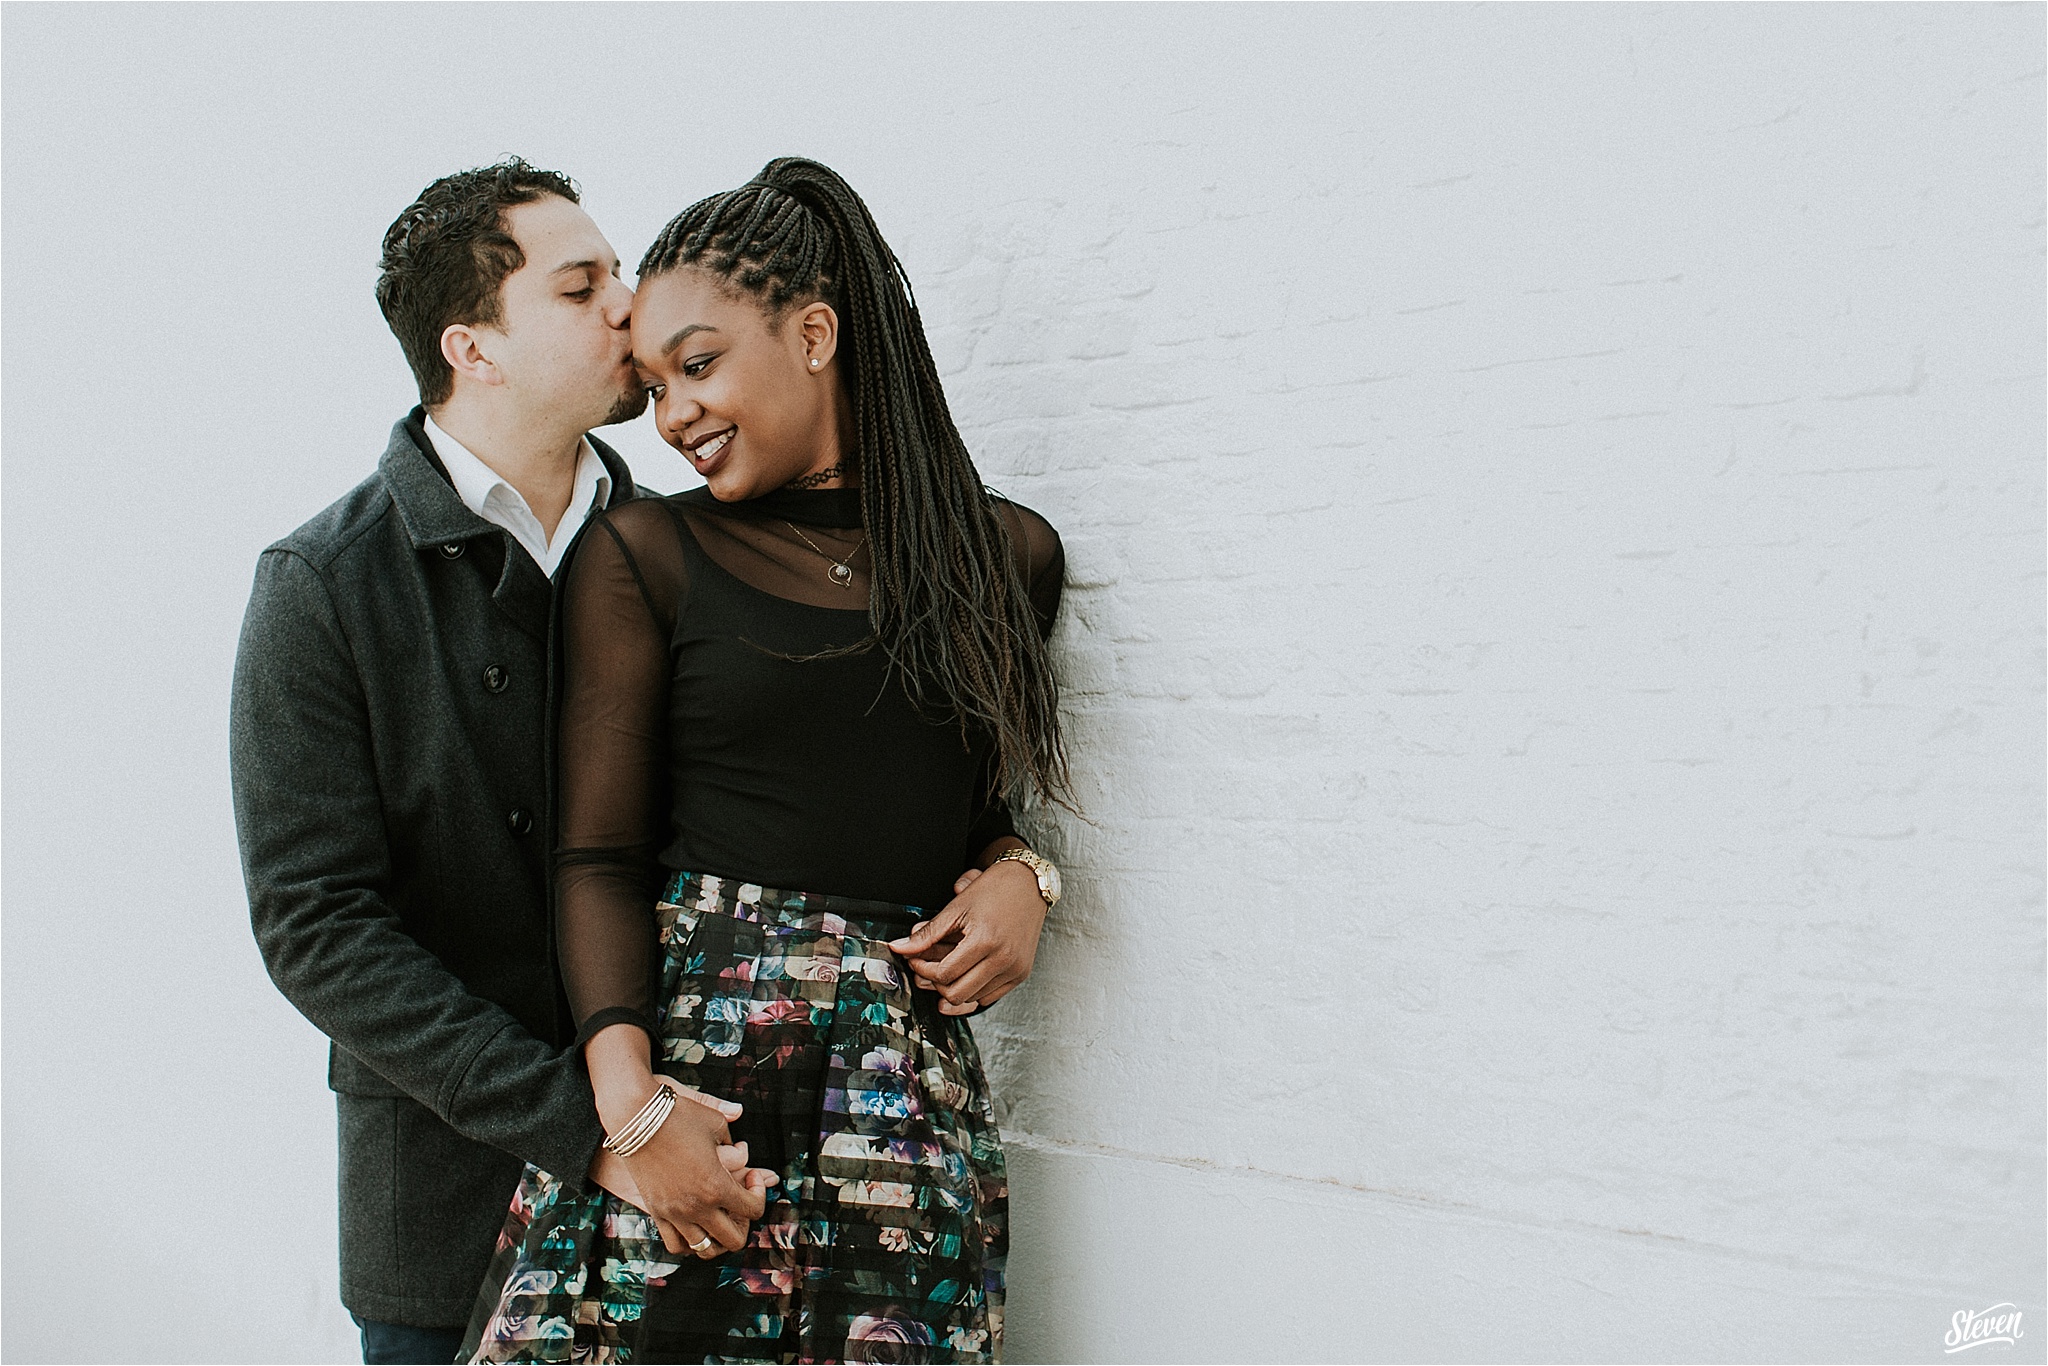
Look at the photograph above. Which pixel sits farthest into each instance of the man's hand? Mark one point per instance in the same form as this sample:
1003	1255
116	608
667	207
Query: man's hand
978	948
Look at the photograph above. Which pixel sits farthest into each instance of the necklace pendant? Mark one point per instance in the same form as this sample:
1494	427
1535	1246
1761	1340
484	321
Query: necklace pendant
842	574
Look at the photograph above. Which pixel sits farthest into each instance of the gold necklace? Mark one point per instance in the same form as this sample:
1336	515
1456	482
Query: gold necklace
841	571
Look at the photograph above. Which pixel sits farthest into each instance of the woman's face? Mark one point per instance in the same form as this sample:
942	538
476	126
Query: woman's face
749	404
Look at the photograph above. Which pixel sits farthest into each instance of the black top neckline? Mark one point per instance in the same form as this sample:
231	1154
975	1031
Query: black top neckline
839	508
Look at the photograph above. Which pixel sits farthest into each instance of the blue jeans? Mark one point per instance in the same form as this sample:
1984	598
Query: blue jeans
401	1344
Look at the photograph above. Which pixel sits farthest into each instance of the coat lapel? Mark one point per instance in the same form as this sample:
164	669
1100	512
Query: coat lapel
436	519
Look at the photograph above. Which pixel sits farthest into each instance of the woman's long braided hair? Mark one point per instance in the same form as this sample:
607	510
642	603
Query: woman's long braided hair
946	604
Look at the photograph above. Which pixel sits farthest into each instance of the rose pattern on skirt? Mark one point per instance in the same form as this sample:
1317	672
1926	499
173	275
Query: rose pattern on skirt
885	1240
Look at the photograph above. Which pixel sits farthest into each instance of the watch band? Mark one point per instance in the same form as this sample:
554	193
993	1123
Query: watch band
1041	868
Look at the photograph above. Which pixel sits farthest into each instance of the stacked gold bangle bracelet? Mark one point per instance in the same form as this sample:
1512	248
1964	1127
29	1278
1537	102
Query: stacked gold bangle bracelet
643	1124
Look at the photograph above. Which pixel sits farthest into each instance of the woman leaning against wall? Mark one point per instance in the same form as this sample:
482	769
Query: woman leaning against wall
794	700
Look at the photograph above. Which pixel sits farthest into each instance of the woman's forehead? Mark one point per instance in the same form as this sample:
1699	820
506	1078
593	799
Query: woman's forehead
679	298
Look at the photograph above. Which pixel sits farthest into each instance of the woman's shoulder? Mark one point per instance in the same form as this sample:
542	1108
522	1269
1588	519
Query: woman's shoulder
644	530
1036	540
1020	515
650	514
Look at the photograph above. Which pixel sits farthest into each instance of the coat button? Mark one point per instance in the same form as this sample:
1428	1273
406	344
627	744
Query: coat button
495	678
519	821
452	551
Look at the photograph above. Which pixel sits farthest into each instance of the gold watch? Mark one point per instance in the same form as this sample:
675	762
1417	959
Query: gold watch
1048	875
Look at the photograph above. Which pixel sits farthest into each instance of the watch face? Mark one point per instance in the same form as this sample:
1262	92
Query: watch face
1051	878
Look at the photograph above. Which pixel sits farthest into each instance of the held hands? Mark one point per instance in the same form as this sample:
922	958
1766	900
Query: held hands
609	1170
690	1176
981	945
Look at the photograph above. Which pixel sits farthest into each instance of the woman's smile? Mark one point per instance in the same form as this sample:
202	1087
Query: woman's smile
705	450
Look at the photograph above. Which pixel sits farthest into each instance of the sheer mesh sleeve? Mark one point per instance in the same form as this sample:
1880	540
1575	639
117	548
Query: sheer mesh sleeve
1045	563
992	819
621	594
1042	561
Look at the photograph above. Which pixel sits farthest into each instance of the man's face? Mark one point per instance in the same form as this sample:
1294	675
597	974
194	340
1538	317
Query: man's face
561	343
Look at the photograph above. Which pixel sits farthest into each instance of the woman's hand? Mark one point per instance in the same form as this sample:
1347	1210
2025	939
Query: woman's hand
679	1175
610	1171
978	948
697	1203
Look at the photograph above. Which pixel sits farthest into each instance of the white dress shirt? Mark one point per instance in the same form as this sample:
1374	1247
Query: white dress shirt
487	495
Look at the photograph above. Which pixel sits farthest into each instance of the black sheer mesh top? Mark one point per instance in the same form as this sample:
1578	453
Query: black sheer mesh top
690	739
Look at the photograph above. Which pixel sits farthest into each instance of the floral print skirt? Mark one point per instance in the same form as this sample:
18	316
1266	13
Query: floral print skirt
885	1239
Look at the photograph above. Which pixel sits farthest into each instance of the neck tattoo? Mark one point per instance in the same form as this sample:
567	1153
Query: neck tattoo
817	477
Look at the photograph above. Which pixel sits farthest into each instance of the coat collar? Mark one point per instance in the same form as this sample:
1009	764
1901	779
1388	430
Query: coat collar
433	513
437	519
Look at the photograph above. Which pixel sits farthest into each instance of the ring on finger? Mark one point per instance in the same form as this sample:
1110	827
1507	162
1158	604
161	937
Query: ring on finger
700	1248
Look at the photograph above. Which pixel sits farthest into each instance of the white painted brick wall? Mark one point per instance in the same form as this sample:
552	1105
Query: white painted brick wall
1553	640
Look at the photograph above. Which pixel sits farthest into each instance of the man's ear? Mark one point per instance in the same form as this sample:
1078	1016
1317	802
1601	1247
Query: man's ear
463	348
817	329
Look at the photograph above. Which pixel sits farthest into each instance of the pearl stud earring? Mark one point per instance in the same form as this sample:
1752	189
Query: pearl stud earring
815	362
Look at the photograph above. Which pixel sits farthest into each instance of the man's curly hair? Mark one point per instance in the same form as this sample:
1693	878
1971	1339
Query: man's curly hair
446	257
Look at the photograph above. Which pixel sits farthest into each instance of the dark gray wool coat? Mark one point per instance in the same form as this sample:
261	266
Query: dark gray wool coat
392	794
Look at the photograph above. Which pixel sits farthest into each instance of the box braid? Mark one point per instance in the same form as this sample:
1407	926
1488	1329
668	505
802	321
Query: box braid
946	601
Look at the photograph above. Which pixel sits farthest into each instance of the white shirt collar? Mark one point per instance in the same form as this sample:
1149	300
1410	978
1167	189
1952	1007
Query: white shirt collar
484	491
